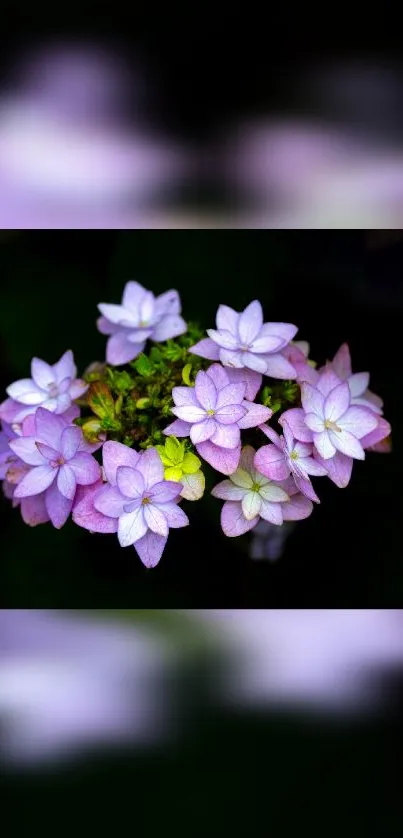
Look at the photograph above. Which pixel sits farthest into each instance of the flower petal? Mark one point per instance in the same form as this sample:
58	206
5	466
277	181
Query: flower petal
268	343
33	510
167	303
206	391
151	467
150	548
297	508
120	351
314	423
133	294
78	388
273	494
25	391
305	486
155	519
190	413
193	486
42	373
70	441
226	490
283	331
312	400
86	469
119	315
251	379
132	526
250	322
115	454
65	368
338	468
130	482
175	516
233	521
85	513
342	362
230	413
358	421
358	383
26	449
178	428
184	396
254	362
327	381
337	402
272	512
166	491
311	466
219	375
231	358
382	430
230	394
256	415
35	481
272	435
206	348
49	428
277	366
227	318
251	503
58	507
324	445
223	338
66	481
224	460
226	436
202	431
170	326
348	444
295	418
270	461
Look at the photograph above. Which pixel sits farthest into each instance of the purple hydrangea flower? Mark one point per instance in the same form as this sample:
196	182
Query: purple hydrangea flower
288	456
243	340
59	460
250	496
142	505
139	317
51	387
328	419
357	382
212	413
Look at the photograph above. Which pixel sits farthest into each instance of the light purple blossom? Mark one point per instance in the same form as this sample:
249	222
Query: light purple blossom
357	382
140	317
288	456
243	340
250	496
213	413
328	419
142	505
51	387
59	461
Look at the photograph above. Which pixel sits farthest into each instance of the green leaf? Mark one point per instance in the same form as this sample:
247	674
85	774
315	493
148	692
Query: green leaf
100	399
174	450
173	473
191	464
186	375
143	365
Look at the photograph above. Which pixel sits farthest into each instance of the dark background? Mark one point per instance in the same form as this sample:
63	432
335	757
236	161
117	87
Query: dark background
336	286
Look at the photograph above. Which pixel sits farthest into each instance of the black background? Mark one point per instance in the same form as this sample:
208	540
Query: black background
336	286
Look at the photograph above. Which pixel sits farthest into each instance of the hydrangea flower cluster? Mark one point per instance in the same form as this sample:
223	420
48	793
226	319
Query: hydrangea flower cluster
120	449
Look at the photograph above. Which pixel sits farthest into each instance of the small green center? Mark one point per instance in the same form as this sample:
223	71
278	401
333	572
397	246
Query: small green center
145	501
294	455
331	426
210	412
255	487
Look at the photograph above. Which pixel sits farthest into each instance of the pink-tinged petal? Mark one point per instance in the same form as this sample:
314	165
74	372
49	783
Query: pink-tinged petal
35	481
305	486
166	491
170	326
26	392
218	375
184	396
167	303
271	462
226	490
278	367
86	469
327	381
303	449
272	435
382	447
119	315
66	482
339	468
109	501
150	548
272	512
70	414
303	347
251	379
289	438
254	362
65	368
206	348
224	460
256	415
130	482
33	510
297	508
324	445
342	362
250	322
114	455
85	514
78	388
42	373
314	423
337	402
9	409
231	358
358	421
26	449
358	383
230	413
58	507
233	521
174	515
189	413
70	441
306	373
226	436
310	466
295	419
284	331
230	394
205	390
133	294
132	526
155	519
178	428
251	503
381	432
268	343
106	327
347	443
120	351
202	431
29	425
376	403
49	428
223	339
312	400
151	467
227	318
